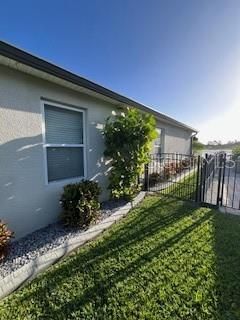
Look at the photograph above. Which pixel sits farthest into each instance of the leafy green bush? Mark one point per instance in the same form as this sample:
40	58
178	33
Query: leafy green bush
80	203
5	237
128	140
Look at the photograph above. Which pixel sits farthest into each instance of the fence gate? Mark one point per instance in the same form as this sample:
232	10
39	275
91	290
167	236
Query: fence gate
221	180
212	180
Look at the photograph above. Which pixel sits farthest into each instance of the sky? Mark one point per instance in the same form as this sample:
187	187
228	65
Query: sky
181	57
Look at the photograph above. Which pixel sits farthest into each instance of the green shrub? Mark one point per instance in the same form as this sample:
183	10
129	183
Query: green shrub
5	238
80	203
186	163
128	141
236	152
155	178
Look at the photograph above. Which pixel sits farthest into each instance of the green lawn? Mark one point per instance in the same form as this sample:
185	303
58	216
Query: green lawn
185	189
166	260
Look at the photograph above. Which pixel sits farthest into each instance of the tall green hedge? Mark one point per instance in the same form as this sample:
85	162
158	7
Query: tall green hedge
128	141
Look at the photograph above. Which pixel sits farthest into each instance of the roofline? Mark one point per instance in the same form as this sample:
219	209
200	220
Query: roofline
30	60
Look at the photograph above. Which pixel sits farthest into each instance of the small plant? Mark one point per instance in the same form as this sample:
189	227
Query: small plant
155	178
80	203
5	238
186	163
174	168
179	167
167	172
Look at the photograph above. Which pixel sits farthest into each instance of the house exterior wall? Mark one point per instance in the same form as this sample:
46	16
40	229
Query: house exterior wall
175	139
27	203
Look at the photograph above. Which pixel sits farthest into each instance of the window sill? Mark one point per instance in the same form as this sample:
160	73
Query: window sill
64	182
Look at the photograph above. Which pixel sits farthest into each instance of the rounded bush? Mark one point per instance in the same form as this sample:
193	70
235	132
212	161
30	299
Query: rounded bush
80	203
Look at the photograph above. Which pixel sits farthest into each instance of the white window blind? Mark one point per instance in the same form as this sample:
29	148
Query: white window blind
63	126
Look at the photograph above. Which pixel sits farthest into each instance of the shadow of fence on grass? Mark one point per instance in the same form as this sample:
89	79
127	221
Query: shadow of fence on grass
227	251
123	253
141	228
105	284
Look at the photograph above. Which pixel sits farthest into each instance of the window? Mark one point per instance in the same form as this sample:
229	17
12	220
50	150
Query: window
64	142
158	142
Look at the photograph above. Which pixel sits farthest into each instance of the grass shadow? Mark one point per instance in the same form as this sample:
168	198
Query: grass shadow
167	259
227	250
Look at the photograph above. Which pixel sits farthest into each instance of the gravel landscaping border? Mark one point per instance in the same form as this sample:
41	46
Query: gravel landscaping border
37	251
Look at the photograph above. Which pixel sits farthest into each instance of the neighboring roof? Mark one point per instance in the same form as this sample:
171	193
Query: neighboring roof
25	58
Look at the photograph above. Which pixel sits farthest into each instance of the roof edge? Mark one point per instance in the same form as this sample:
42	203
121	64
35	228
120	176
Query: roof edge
40	64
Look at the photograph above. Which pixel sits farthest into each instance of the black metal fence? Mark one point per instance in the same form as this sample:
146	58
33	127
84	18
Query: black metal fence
212	180
172	174
223	185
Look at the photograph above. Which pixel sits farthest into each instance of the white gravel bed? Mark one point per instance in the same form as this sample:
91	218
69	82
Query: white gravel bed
43	240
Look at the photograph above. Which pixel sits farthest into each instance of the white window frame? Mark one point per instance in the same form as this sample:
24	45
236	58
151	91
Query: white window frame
64	145
161	145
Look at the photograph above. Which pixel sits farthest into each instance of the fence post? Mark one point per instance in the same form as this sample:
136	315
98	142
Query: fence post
197	182
204	177
219	180
146	186
223	178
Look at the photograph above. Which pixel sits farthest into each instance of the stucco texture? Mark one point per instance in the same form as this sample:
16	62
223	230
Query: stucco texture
27	203
175	139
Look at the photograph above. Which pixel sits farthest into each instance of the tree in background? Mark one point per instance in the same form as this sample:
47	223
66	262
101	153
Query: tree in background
128	141
197	146
236	152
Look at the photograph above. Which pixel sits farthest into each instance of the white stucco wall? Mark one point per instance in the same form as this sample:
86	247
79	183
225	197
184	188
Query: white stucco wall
27	203
175	139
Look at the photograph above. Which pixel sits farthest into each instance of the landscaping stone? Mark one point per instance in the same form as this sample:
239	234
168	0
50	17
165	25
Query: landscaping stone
37	251
41	241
